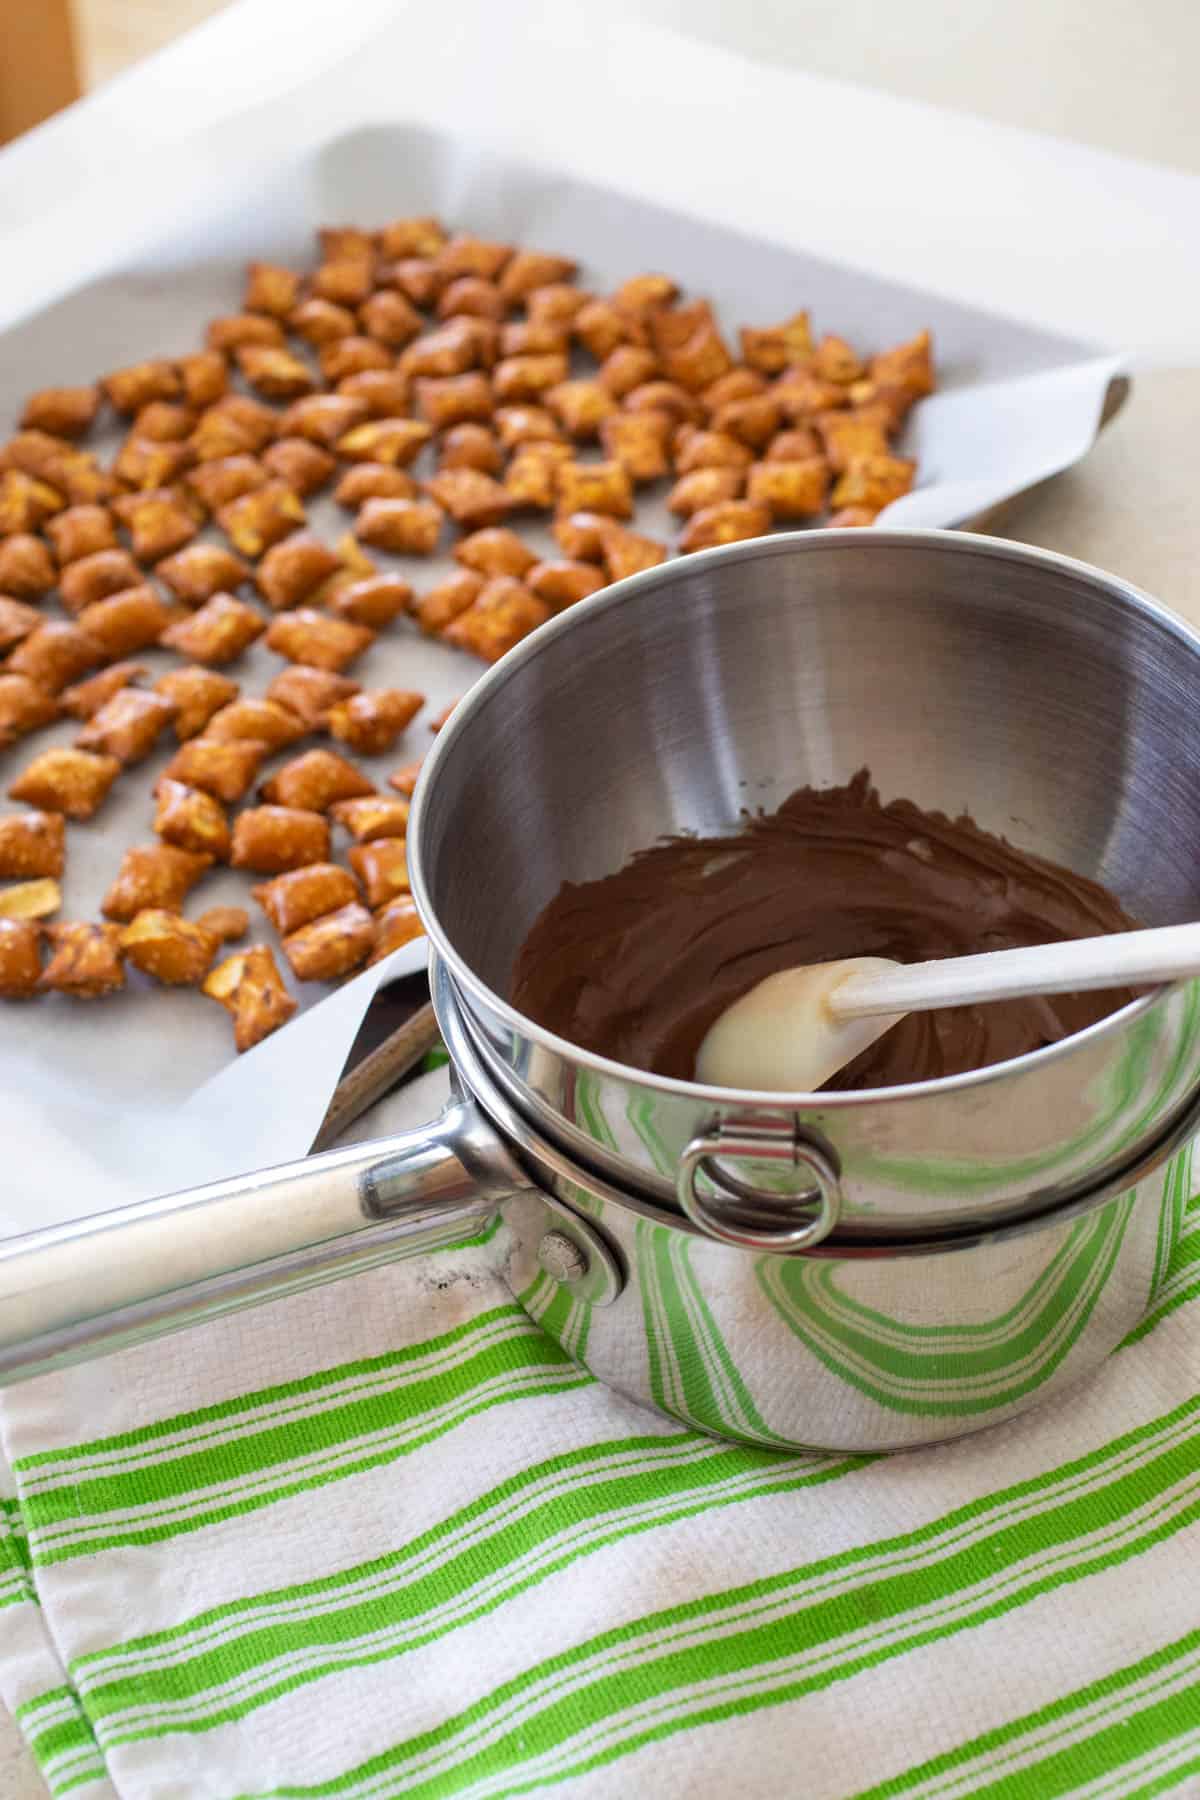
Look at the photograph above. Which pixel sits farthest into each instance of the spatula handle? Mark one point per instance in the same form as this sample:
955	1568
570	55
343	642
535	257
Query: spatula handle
1122	959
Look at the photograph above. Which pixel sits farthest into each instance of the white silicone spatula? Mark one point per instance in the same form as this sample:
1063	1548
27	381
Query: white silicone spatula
796	1029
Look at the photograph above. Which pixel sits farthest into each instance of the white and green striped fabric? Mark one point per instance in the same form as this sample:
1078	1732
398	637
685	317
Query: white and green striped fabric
384	1538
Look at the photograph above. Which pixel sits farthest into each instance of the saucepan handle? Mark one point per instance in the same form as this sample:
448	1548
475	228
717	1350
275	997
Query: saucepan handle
83	1289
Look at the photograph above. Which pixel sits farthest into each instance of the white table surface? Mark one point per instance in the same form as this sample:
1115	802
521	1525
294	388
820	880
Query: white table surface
1117	74
1068	236
1075	237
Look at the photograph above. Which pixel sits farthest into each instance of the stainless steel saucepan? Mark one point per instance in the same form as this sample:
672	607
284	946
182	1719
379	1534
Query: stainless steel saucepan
852	1271
1054	702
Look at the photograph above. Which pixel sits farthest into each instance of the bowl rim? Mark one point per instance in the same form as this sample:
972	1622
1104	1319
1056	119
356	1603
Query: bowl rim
620	593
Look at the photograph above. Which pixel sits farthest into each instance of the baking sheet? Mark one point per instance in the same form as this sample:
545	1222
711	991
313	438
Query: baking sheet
138	1094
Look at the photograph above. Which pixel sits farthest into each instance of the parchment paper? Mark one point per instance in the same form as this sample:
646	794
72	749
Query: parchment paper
138	1094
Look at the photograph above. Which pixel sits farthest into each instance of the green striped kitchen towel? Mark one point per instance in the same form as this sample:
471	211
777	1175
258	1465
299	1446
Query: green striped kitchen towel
384	1538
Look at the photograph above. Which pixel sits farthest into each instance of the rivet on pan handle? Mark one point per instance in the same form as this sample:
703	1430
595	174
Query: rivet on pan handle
730	1213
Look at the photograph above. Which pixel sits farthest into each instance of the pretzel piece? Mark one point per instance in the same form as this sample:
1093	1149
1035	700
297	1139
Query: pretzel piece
85	961
270	839
128	726
20	958
223	769
301	895
373	816
190	819
331	946
308	636
248	984
397	924
315	780
370	723
35	843
197	694
153	875
382	867
174	951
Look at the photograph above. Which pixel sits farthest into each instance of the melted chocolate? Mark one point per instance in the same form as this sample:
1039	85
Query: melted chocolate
636	966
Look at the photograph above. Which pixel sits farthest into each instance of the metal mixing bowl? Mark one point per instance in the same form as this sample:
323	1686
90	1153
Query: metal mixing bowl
1054	702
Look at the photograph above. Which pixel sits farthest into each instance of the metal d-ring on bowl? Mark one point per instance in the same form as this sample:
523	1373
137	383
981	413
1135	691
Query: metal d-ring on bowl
932	1258
737	1211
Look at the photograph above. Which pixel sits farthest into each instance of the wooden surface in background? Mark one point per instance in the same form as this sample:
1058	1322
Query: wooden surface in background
113	34
52	50
39	66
